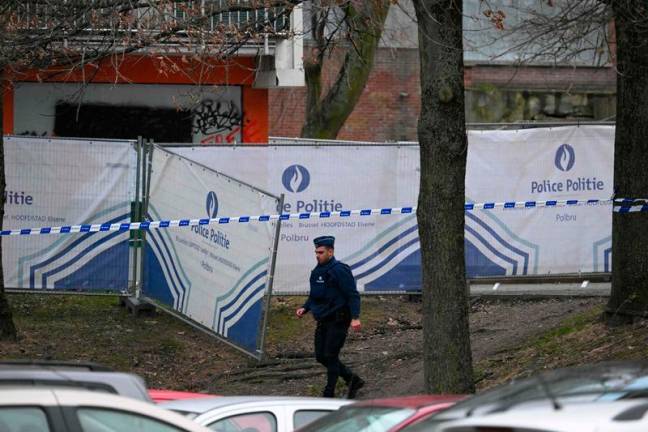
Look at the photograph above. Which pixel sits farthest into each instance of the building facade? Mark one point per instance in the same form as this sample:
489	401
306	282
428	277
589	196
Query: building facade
502	86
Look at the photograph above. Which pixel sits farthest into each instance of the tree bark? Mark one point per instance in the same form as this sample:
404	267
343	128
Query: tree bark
7	327
443	144
629	296
325	117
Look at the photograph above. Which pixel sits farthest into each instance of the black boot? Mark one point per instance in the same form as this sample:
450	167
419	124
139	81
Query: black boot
355	384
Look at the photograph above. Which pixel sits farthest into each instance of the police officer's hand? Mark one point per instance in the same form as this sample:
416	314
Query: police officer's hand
300	312
355	324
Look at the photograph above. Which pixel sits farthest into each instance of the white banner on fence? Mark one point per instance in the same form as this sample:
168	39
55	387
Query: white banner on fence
540	164
54	182
384	252
215	275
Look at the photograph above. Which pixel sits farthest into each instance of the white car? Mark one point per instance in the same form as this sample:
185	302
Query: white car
544	416
64	410
255	413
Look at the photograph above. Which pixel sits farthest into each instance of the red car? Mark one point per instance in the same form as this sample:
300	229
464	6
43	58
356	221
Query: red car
160	396
382	415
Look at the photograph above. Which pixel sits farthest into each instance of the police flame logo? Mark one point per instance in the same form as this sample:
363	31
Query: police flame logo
211	204
565	157
295	178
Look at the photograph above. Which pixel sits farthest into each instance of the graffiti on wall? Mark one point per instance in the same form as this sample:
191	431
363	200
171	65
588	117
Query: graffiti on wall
217	121
164	113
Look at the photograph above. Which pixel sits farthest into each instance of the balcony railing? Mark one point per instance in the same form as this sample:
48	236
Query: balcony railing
82	17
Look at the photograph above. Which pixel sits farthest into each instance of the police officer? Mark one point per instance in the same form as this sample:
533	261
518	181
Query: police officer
335	304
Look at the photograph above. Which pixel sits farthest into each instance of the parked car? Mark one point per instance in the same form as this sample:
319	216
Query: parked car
159	395
88	376
65	410
544	416
255	413
381	415
599	383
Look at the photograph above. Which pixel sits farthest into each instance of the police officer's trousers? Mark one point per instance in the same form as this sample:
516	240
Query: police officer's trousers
330	335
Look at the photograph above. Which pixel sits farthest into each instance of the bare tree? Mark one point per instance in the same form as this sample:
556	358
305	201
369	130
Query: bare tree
555	32
51	38
353	28
605	32
443	146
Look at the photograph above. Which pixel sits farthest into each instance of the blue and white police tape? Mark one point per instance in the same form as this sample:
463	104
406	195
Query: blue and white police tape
534	204
621	205
132	226
627	205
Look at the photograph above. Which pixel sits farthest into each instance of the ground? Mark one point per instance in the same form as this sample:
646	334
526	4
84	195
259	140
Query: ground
510	337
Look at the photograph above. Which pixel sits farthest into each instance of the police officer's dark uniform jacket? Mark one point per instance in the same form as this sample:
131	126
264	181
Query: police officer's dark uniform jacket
334	301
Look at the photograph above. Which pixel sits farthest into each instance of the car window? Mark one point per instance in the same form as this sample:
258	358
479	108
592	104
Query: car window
304	417
23	419
248	422
104	420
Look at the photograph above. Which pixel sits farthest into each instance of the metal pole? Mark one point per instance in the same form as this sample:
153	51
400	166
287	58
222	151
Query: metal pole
137	235
270	280
147	150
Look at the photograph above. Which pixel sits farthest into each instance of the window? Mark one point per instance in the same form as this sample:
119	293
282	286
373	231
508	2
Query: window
248	422
23	419
303	417
104	420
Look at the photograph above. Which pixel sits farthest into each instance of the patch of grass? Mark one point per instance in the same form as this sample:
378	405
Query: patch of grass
551	340
169	346
581	339
284	326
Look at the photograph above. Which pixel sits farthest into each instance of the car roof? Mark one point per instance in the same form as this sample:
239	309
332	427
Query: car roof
542	415
53	364
199	406
410	401
598	382
80	398
125	384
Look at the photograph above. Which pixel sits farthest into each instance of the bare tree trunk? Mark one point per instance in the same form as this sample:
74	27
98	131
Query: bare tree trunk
7	327
325	117
442	138
629	296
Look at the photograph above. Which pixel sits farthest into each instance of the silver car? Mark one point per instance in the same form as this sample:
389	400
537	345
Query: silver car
255	413
43	409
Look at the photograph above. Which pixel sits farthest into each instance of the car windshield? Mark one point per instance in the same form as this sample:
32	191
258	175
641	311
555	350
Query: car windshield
360	419
603	382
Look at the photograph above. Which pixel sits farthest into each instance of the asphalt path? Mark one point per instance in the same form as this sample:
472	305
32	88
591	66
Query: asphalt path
573	289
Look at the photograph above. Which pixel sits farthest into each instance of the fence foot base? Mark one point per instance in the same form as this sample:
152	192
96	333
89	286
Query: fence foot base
136	306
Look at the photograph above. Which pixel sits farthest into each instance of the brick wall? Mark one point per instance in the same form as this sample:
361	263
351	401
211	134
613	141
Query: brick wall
389	106
387	110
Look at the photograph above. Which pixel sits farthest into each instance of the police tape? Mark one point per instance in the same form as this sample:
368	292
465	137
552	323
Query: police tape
628	205
146	225
621	205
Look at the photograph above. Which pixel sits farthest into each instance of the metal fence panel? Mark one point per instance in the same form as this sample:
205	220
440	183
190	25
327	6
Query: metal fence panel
215	275
58	182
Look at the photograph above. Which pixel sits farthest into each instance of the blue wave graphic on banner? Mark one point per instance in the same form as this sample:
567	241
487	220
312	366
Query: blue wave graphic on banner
103	272
89	246
493	249
405	276
245	331
155	284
